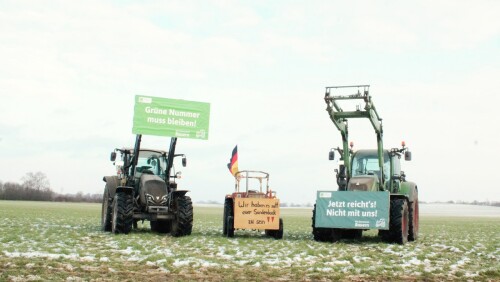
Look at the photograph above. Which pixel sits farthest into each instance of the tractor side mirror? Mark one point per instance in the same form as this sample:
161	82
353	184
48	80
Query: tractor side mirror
113	156
184	161
331	155
407	156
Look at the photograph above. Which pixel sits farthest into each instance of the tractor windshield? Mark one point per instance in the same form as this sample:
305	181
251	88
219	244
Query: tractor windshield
366	163
151	161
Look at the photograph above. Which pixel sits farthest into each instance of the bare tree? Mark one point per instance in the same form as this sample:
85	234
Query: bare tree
37	181
36	187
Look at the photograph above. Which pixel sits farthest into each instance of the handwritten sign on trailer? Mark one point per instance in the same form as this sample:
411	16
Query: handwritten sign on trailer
352	209
171	117
257	213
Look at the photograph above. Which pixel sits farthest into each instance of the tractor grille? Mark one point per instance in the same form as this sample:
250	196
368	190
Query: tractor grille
153	190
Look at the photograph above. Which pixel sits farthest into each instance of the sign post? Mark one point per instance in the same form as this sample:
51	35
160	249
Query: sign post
171	117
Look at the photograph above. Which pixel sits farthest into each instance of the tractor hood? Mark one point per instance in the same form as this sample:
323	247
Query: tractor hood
363	183
153	190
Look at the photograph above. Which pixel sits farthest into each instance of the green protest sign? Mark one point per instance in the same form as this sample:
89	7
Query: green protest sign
352	209
171	117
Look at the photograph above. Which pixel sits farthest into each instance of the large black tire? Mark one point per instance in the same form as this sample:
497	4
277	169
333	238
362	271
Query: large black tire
106	212
398	223
413	220
319	234
182	225
230	226
123	212
228	211
324	234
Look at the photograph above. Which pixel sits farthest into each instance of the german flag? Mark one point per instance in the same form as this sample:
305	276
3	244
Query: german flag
233	162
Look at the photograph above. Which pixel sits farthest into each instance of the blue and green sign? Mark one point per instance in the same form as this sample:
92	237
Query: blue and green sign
352	209
171	117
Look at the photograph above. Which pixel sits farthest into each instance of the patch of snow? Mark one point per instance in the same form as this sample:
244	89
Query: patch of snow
87	258
178	263
338	262
412	262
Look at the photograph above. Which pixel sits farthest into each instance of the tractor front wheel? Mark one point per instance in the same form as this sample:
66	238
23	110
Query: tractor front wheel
319	234
398	224
123	211
183	223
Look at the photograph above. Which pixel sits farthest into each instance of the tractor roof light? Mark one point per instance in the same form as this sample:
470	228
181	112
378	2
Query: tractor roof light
403	144
351	144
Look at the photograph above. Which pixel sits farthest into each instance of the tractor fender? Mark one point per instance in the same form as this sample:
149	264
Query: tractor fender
409	189
111	185
174	195
178	193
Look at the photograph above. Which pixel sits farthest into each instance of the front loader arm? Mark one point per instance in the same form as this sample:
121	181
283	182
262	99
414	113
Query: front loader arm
340	118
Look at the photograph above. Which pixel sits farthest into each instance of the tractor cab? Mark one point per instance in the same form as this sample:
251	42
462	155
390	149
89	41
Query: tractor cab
366	173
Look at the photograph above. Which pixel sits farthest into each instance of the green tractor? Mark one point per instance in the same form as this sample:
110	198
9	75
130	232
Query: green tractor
373	170
145	189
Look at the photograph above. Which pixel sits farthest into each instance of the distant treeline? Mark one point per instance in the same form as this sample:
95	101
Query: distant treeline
36	187
476	203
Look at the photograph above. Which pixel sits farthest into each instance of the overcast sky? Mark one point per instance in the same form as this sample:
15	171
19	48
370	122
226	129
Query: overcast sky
69	71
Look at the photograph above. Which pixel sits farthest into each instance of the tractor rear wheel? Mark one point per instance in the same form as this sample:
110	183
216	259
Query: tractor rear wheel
230	226
413	220
106	212
398	223
183	223
123	211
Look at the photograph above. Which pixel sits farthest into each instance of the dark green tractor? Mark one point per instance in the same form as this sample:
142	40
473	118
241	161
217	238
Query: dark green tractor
374	170
145	189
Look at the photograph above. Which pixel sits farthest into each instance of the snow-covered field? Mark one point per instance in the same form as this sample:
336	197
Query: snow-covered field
41	241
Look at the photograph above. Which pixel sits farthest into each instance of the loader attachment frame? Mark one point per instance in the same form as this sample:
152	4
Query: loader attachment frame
340	118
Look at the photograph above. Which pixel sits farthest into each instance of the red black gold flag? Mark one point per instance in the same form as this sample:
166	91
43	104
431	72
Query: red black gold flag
233	163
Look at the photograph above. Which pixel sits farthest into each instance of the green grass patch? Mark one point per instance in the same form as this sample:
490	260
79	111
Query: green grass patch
61	241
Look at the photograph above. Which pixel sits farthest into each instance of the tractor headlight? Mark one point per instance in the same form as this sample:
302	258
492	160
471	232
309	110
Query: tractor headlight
163	200
150	199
